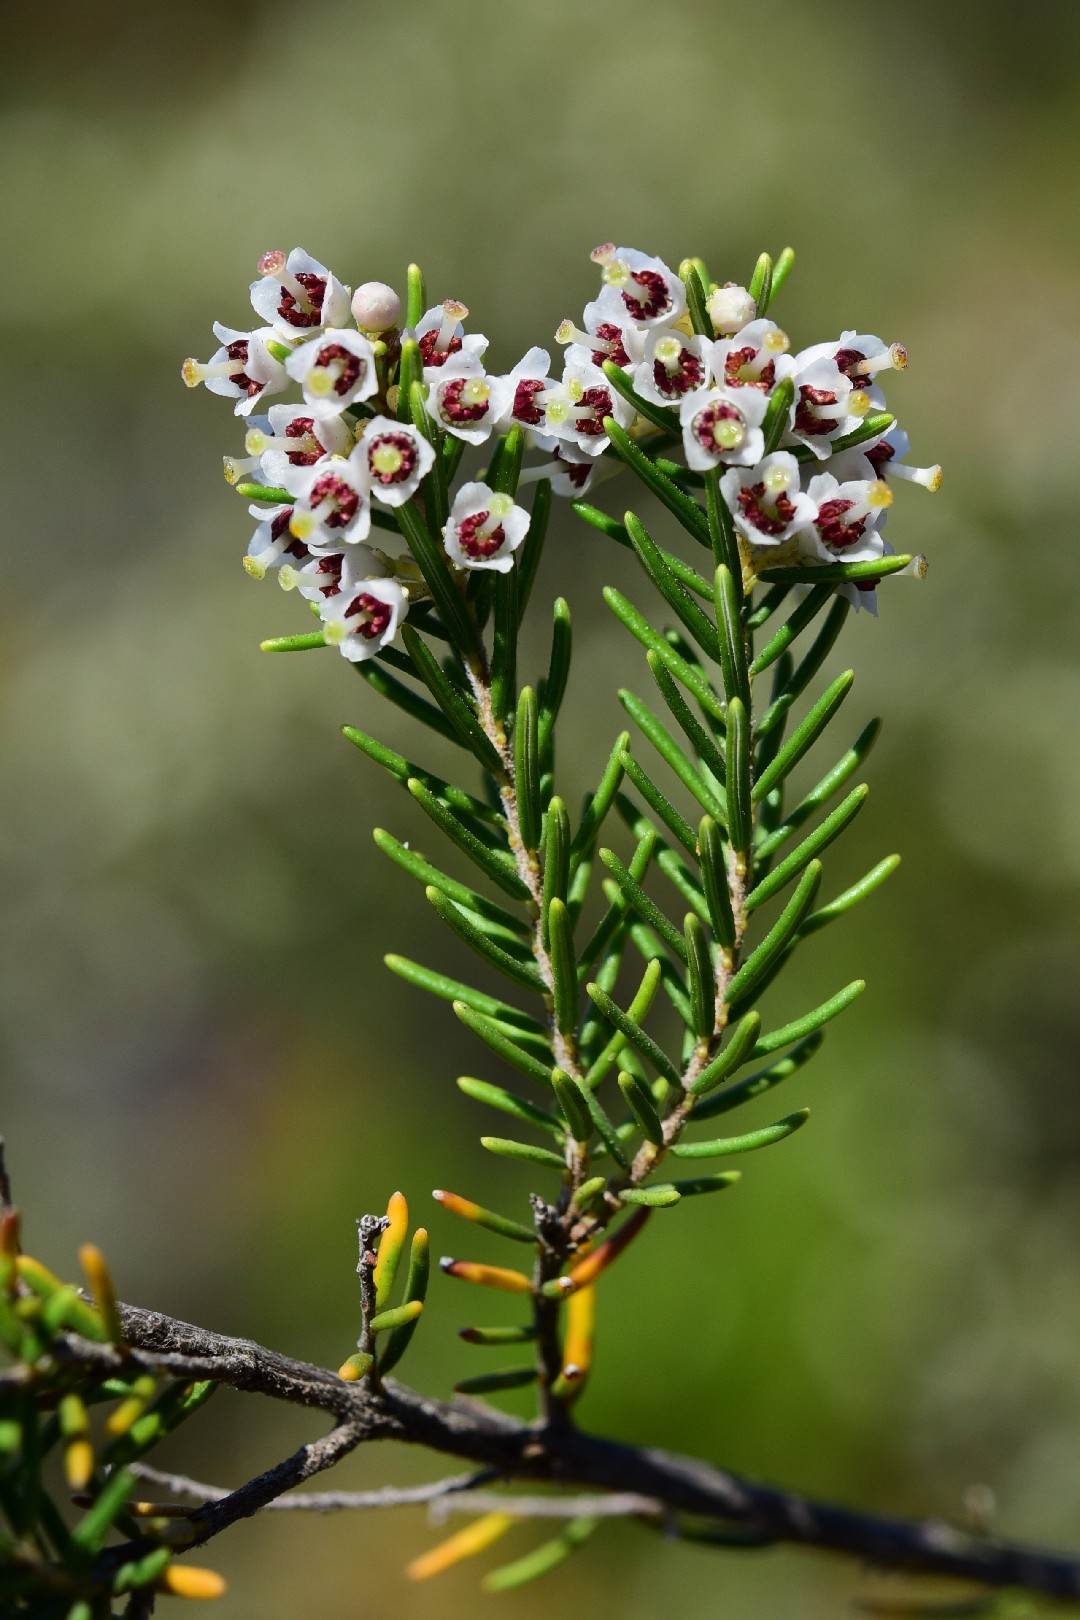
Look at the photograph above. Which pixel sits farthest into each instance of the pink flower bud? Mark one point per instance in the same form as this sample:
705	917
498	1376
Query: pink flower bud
375	306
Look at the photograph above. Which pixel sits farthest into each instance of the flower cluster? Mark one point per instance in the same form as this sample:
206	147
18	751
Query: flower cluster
800	441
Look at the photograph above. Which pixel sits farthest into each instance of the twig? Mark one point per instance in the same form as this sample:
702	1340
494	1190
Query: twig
6	1200
563	1456
322	1501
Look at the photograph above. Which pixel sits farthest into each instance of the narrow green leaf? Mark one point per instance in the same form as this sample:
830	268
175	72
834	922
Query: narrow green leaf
504	645
722	535
737	1049
600	802
671	753
650	947
574	1105
765	1137
810	847
457	708
703	744
804	736
773	598
433	564
732	641
696	304
505	1149
563	967
739	797
778	414
690	676
410	702
639	1100
497	1335
781	270
830	783
501	1040
808	609
503	478
836	573
761	1081
506	1103
707	1184
495	863
489	1219
94	1526
787	1034
661	1195
270	495
701	980
674	593
807	668
760	288
558	673
415	296
617	531
659	802
436	499
542	1560
871	427
638	1009
414	863
397	1316
532	549
416	1283
488	1383
527	769
556	859
643	904
632	1031
851	897
714	876
658	415
688	512
523	973
778	938
437	984
617	906
410	376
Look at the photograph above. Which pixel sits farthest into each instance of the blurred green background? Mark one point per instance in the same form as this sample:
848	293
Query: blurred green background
206	1067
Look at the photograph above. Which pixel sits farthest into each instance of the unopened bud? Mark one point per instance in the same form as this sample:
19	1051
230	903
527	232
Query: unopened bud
730	309
376	307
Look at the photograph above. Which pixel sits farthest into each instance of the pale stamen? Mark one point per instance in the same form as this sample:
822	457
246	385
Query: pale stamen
274	264
257	443
454	312
234	470
928	477
195	371
894	359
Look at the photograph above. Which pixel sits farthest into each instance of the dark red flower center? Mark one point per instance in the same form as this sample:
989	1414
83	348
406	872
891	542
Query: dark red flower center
706	422
404	445
329	568
847	360
653	297
806	417
740	373
615	349
525	410
374	616
292	311
278	525
475	544
431	353
687	374
239	351
772	519
837	534
297	429
345	500
352	366
879	455
457	410
598	401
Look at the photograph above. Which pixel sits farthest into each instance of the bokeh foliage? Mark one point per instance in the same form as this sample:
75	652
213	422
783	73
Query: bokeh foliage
206	1067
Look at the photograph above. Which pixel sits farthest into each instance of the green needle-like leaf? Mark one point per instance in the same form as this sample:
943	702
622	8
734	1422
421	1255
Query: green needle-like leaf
707	1184
691	677
432	561
871	427
740	1043
415	864
556	858
701	980
525	1151
527	769
761	1081
836	573
437	984
830	783
765	1137
807	610
658	801
410	376
739	797
778	938
488	1383
574	1105
760	288
688	512
415	296
714	877
703	744
404	698
732	641
600	802
416	1283
401	769
524	973
646	908
529	556
639	1100
457	708
670	752
631	1030
804	736
563	967
661	1195
781	270
508	1043
787	1034
778	414
558	673
658	415
542	1560
504	645
670	588
495	863
638	1009
506	1103
810	847
696	303
851	897
436	499
300	643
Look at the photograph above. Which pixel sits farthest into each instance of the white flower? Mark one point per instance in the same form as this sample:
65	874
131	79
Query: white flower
730	308
484	529
364	617
334	369
723	425
441	335
290	436
375	307
673	366
827	405
332	501
272	541
520	388
575	408
608	335
465	401
859	357
638	287
320	578
845	525
396	457
243	368
570	470
766	501
755	357
887	457
298	293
